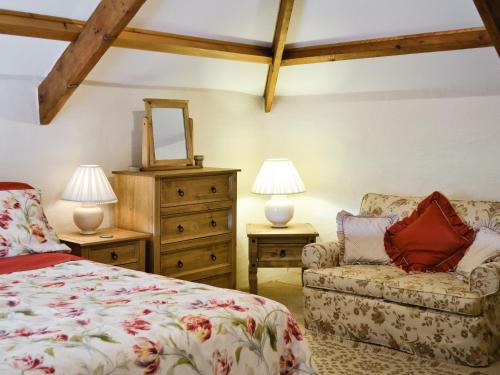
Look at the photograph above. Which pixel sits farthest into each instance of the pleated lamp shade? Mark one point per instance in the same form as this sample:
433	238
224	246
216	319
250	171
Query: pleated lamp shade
276	177
89	184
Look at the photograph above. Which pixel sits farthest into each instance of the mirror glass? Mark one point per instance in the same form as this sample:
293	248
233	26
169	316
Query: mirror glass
168	133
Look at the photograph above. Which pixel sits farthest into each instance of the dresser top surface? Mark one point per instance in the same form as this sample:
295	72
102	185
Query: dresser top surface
181	172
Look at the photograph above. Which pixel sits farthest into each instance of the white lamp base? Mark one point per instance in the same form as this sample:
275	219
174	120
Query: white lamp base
279	210
88	218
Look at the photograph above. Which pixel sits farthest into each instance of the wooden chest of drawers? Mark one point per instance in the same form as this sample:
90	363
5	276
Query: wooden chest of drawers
192	215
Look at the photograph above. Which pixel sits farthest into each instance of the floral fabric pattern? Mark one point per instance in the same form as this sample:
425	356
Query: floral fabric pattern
467	340
365	280
23	225
475	213
485	279
438	290
85	317
444	316
321	255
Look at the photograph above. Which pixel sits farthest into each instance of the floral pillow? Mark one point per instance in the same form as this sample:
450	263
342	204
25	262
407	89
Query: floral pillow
24	227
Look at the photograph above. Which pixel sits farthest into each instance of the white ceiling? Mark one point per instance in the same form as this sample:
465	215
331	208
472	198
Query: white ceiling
253	21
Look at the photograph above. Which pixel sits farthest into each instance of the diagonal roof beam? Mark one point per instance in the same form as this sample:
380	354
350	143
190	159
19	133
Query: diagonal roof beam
489	10
392	46
282	23
104	25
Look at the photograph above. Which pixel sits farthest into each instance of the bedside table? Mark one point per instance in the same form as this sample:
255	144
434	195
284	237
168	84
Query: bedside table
276	247
125	248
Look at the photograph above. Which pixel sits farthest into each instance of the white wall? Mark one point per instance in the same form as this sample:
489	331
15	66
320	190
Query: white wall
343	145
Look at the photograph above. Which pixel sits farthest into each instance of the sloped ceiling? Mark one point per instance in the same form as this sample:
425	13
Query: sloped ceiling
253	21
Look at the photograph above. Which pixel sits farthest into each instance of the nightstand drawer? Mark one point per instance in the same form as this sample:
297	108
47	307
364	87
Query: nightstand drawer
116	254
274	253
186	227
184	191
196	263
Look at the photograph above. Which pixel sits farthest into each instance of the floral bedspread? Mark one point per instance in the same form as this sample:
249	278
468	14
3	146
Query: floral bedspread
82	317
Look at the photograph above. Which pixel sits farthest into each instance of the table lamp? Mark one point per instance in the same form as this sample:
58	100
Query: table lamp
90	186
278	177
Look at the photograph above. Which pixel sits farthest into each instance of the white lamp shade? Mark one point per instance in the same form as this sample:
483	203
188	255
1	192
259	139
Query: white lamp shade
89	184
278	176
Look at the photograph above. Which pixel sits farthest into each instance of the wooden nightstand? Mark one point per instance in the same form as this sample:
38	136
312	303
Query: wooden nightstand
276	247
125	248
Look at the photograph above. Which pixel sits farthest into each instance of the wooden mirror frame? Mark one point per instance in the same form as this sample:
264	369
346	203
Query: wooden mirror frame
149	161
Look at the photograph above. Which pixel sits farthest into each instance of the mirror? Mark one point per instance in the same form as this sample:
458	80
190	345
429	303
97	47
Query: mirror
167	135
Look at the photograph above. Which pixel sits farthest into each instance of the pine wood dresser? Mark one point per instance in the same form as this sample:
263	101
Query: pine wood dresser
192	216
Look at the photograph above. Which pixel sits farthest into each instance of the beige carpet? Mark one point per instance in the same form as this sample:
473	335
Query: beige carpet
334	355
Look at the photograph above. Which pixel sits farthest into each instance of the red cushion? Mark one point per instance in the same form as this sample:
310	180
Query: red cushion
432	239
14	186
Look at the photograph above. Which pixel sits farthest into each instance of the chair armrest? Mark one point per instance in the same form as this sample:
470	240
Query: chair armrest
485	279
321	255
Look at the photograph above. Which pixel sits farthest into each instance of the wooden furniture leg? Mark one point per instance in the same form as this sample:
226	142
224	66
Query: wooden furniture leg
252	265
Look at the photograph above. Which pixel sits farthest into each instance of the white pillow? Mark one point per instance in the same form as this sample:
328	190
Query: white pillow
362	238
486	245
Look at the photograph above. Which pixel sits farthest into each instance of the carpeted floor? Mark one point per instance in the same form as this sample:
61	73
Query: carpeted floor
333	355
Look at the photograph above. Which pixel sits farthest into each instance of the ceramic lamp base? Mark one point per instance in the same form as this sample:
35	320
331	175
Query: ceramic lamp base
279	211
88	218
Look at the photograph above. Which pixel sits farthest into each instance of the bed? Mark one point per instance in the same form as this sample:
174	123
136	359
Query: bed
61	314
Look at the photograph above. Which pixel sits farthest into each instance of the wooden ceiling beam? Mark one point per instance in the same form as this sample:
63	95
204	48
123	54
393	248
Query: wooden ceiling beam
282	23
104	25
56	28
489	10
398	45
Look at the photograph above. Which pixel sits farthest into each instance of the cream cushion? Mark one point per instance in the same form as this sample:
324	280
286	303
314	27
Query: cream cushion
363	238
362	279
485	246
436	290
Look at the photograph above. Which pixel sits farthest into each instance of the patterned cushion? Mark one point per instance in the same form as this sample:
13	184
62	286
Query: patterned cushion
475	213
23	225
364	280
440	291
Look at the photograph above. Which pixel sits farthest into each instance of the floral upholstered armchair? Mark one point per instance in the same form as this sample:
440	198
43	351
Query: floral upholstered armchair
437	315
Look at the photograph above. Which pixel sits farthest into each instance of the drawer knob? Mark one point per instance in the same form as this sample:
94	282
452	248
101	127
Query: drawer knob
213	257
114	255
180	264
282	253
180	228
213	189
180	193
213	223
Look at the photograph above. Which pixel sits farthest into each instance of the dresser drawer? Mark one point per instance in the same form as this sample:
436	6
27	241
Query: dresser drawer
195	262
119	254
280	253
192	190
220	281
196	225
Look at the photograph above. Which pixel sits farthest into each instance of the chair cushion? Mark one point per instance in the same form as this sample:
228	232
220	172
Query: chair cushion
360	279
439	291
432	239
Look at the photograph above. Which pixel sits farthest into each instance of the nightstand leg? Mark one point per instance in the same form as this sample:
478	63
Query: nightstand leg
252	266
252	279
